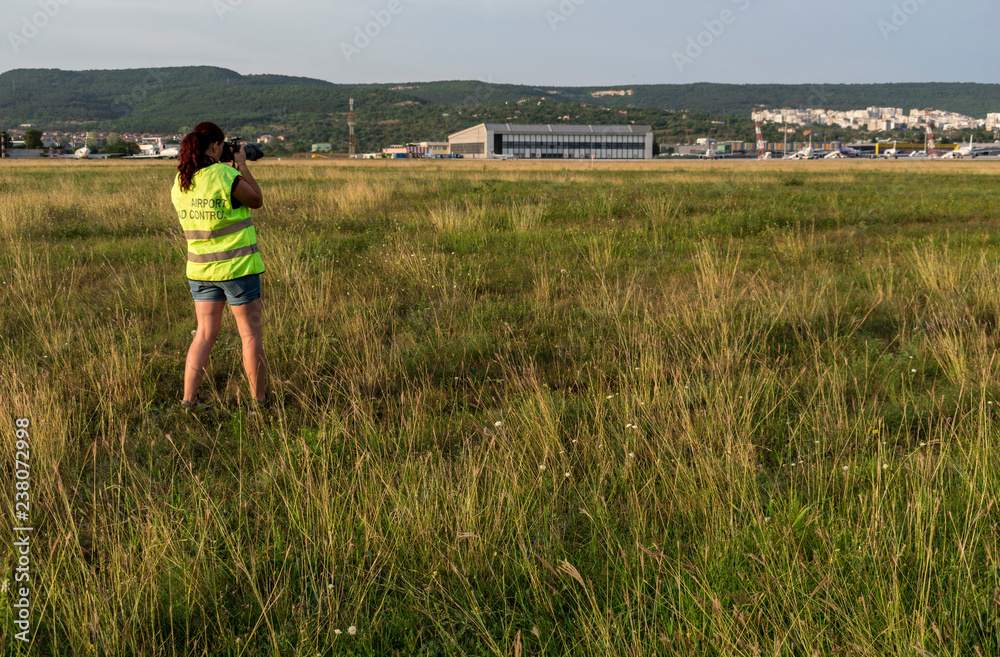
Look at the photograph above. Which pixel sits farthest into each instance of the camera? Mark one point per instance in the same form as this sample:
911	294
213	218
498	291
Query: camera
230	147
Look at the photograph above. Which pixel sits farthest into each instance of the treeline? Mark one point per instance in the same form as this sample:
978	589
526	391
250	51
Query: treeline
975	100
305	111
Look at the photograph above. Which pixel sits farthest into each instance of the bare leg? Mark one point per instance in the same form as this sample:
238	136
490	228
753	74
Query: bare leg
248	321
209	314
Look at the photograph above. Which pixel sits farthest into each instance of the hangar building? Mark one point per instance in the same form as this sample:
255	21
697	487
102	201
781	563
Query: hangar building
508	140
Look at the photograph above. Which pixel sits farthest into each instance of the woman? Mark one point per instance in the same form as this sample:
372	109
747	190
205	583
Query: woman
223	263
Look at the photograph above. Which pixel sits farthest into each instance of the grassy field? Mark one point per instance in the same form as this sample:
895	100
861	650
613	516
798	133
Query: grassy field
523	409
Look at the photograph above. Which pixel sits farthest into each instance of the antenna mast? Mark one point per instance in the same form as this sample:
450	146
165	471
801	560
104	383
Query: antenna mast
761	146
350	126
931	152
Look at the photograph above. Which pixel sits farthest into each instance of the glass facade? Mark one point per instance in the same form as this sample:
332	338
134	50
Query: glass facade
557	146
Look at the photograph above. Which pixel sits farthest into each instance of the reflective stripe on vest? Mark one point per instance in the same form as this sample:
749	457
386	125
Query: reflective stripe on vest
221	232
202	258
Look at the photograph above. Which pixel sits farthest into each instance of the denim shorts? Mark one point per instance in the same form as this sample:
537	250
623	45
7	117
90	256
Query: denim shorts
237	292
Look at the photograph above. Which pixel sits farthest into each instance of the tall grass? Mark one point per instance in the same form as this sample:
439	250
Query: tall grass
522	409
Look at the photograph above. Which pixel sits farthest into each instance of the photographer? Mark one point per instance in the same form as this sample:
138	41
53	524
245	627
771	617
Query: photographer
223	263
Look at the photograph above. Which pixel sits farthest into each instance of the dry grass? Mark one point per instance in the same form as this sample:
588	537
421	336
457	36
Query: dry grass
548	408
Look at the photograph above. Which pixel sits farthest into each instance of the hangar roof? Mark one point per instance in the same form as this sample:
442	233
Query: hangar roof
514	128
527	129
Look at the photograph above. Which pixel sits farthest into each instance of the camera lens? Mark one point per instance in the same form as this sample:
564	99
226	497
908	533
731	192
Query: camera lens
253	152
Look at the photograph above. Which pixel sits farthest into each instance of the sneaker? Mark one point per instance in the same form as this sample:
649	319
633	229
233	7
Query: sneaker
196	405
257	406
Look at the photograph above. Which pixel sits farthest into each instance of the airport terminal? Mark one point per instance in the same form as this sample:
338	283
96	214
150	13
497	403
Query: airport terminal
511	141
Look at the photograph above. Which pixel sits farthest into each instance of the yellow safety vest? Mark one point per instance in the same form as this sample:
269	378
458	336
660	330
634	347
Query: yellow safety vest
222	242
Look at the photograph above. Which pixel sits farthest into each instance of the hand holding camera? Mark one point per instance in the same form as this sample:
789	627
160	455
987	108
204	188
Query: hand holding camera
238	153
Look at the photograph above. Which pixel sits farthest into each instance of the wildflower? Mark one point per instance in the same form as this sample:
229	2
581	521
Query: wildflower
329	587
337	632
913	371
352	630
541	467
885	466
565	474
631	455
922	444
497	423
845	468
610	396
6	582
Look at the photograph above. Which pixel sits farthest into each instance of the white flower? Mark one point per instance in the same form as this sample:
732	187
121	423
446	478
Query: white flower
329	587
6	582
885	466
610	396
922	444
497	423
565	474
541	467
631	455
337	632
845	468
352	630
913	371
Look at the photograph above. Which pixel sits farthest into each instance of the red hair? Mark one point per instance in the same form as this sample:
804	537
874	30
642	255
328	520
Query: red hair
192	155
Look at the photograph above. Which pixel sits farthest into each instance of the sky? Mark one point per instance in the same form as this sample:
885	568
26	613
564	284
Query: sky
536	42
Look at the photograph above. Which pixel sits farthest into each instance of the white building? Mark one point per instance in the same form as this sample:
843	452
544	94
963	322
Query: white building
601	142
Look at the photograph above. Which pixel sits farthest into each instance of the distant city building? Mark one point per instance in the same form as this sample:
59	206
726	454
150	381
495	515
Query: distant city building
509	140
872	118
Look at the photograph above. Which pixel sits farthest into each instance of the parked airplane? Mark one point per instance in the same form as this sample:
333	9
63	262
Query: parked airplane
959	153
806	153
891	152
85	154
841	153
157	150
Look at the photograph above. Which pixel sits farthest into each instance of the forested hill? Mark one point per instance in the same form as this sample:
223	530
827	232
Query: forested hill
971	99
170	100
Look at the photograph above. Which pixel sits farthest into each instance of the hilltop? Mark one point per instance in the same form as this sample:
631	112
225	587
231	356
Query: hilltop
173	99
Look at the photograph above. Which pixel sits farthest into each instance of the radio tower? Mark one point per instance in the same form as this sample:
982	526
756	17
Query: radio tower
761	146
350	126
